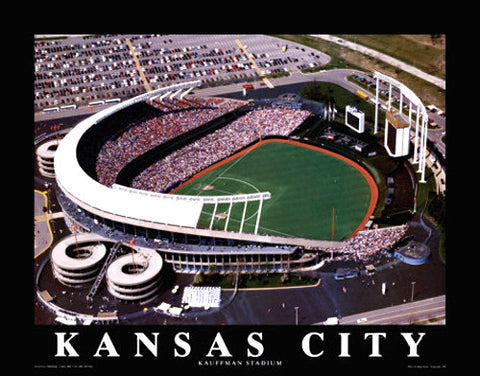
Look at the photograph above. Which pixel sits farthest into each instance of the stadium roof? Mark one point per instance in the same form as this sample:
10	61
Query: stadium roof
75	181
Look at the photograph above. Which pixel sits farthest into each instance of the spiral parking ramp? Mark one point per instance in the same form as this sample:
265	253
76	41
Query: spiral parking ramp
76	265
135	276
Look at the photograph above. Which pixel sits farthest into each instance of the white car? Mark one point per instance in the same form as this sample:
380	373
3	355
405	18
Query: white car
331	321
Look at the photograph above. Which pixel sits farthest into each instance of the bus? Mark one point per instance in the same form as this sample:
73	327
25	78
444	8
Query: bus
343	273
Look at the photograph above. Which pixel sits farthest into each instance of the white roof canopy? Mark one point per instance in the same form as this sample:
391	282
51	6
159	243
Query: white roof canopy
127	202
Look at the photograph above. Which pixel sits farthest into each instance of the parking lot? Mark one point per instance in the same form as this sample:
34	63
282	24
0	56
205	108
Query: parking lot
89	70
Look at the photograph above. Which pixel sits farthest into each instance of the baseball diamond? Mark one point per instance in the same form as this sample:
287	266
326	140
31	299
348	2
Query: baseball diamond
305	182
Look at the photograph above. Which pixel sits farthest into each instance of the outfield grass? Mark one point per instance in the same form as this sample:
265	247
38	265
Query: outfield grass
306	184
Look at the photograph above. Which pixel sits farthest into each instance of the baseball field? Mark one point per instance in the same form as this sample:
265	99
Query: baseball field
315	193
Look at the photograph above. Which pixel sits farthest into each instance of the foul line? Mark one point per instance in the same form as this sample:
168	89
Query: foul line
370	180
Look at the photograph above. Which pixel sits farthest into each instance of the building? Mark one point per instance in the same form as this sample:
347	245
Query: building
396	131
45	157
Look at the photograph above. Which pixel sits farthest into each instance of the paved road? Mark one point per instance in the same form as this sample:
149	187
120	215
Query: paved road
43	237
401	314
388	59
336	76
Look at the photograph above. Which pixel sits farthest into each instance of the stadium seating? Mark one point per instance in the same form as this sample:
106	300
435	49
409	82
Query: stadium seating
187	161
137	137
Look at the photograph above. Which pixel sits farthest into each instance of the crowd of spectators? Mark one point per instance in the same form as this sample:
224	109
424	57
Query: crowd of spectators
369	243
187	161
177	117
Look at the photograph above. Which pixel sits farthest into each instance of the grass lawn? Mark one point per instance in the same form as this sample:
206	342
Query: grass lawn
253	280
416	50
306	183
425	52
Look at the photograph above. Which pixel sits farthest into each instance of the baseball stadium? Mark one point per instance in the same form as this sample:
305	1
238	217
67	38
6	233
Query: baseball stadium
227	188
170	182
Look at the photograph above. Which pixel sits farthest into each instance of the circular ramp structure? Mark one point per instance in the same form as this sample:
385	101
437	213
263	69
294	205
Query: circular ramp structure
135	276
77	265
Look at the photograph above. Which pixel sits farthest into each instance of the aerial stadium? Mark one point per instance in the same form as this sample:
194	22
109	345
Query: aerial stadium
170	181
233	191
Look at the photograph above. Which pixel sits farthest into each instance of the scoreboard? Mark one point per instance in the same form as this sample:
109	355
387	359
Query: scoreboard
354	119
397	131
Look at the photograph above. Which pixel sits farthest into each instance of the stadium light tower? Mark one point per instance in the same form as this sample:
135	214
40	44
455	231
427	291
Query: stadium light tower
333	231
55	128
74	227
397	126
131	244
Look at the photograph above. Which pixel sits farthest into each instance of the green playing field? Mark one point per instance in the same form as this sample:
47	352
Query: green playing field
307	184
